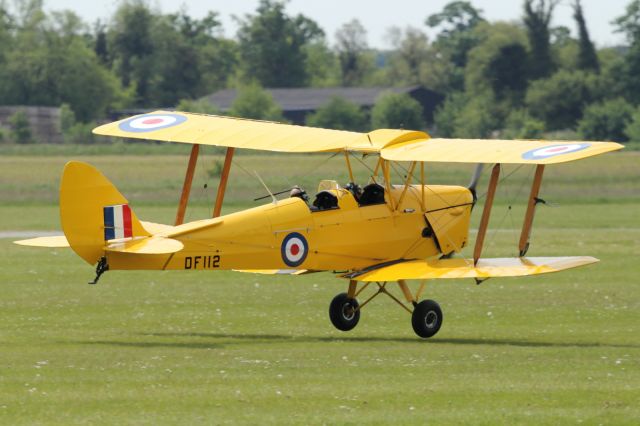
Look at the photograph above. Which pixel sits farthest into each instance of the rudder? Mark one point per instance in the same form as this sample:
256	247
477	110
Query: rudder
93	211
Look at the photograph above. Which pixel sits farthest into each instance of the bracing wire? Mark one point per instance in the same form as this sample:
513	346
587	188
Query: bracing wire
509	210
361	161
325	159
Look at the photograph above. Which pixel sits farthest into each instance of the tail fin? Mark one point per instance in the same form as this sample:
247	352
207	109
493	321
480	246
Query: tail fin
92	211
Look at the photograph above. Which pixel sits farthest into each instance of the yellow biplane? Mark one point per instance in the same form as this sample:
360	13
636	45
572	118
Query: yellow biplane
381	233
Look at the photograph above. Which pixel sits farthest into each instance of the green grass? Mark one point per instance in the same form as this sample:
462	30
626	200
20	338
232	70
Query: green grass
225	347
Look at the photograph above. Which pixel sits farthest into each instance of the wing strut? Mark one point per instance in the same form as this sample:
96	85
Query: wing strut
486	213
523	246
222	186
186	187
188	179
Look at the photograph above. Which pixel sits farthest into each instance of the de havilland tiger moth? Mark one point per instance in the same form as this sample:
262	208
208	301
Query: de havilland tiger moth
380	235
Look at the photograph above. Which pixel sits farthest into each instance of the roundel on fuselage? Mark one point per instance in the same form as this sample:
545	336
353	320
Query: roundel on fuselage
294	249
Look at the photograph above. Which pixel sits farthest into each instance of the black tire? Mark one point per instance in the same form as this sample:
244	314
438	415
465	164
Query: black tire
427	318
344	312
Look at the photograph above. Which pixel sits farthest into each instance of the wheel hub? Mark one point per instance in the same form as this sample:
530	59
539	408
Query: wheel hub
431	319
348	312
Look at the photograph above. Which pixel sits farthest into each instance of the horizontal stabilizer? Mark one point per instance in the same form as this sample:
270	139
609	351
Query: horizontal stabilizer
146	245
156	228
59	241
168	231
463	268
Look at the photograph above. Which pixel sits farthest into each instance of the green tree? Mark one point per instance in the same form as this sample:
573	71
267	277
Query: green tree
446	115
339	114
100	44
565	50
131	46
520	125
6	26
165	58
397	111
74	132
322	65
409	61
559	100
627	71
456	20
632	131
20	128
67	118
587	56
455	40
463	116
190	60
477	119
201	106
498	64
629	23
606	121
256	103
272	45
351	45
50	62
537	18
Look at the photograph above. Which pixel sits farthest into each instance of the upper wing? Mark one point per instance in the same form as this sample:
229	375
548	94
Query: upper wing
251	134
463	268
495	151
397	145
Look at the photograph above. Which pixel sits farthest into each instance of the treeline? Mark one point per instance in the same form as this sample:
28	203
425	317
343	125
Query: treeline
517	80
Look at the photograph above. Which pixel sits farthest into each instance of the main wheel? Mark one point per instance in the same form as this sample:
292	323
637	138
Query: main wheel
426	318
344	312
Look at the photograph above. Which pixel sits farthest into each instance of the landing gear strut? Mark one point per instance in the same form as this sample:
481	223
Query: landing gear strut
426	316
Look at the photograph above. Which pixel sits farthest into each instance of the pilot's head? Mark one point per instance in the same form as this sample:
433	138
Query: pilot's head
296	191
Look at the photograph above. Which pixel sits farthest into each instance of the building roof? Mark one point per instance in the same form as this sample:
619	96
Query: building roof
310	99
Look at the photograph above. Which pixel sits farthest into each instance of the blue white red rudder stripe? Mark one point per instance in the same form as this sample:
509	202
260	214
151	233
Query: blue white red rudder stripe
117	222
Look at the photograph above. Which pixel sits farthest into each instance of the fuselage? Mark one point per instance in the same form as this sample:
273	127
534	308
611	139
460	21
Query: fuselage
291	234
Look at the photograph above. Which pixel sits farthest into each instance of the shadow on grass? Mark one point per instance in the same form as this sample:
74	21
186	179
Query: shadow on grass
220	340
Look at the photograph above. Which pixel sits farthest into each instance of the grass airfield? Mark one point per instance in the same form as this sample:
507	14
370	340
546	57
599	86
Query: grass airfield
225	347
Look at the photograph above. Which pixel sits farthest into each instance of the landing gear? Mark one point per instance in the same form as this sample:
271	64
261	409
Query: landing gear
344	312
426	318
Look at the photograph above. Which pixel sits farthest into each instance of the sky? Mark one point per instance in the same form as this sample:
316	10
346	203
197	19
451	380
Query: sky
377	16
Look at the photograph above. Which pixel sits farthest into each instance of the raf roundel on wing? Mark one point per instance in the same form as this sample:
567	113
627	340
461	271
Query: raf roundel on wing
553	150
151	122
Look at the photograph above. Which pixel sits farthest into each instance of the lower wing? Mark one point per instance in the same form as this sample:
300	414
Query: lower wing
464	268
